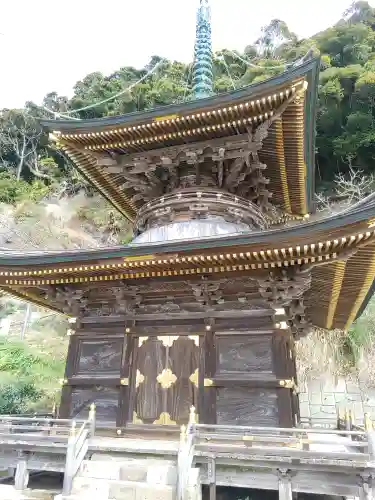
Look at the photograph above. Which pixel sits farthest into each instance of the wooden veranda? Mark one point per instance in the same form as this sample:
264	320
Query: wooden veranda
288	460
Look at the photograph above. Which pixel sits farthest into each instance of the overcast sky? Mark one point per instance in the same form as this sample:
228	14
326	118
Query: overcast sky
48	46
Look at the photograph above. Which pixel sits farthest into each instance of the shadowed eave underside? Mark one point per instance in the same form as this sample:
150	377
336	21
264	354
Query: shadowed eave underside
340	250
288	151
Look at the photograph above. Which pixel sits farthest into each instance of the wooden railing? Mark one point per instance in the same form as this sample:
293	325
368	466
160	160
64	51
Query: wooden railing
47	435
204	443
185	456
77	449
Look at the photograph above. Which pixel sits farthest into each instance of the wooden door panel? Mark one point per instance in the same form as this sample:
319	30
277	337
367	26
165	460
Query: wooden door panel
93	372
183	362
235	325
164	379
244	406
95	358
245	375
244	355
106	401
100	356
150	361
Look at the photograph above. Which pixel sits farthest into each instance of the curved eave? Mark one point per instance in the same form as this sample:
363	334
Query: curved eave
365	303
340	249
21	294
360	217
138	117
292	175
342	273
340	290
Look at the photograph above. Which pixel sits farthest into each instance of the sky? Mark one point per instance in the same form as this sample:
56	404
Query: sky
47	47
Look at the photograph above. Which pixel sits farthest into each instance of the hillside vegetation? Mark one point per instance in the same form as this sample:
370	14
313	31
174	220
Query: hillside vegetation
46	204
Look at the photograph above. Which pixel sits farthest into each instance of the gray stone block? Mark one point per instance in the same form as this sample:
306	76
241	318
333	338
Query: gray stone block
304	409
328	385
88	486
303	397
340	386
353	388
133	473
315	398
100	470
329	410
358	410
154	492
321	411
368	409
162	475
328	399
314	386
351	398
341	398
122	491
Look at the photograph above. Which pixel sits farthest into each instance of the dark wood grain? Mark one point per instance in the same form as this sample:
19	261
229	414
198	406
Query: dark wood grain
243	406
182	359
148	396
106	401
98	356
244	354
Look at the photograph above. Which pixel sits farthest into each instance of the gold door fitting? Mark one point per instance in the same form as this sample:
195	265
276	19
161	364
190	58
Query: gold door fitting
289	384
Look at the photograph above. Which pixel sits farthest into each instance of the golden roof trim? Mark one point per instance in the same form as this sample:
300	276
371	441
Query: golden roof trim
180	272
315	251
172	119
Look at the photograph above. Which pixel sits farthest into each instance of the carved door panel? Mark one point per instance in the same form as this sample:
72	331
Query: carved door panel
93	374
244	376
163	380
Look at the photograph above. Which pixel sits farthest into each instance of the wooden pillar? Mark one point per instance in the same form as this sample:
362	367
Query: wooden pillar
21	478
285	485
366	489
211	473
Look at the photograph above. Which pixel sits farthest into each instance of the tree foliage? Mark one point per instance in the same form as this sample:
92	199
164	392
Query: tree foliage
345	116
18	398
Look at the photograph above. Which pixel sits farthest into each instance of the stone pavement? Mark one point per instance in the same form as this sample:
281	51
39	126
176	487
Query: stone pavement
321	398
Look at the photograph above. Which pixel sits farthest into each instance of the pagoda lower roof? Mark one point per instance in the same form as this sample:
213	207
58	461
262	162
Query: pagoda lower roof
340	250
288	101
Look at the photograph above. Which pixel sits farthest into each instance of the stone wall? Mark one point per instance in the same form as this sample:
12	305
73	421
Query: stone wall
321	399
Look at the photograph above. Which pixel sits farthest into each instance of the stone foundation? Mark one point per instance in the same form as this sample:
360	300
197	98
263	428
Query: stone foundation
120	478
8	492
321	398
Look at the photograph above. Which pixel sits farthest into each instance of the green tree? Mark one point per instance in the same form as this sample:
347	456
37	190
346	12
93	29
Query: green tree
345	118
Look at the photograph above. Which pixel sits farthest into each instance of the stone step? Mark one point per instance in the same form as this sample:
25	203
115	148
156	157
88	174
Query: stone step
88	489
8	492
157	472
154	474
102	457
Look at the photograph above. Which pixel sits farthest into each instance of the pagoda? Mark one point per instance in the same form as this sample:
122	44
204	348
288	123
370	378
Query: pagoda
228	265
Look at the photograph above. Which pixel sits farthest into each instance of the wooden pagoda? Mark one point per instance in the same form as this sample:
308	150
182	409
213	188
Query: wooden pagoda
227	267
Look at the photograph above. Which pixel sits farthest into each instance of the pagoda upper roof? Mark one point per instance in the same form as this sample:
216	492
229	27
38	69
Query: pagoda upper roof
340	249
287	102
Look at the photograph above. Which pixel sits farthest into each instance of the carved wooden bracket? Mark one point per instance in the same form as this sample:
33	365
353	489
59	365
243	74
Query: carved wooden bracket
281	287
